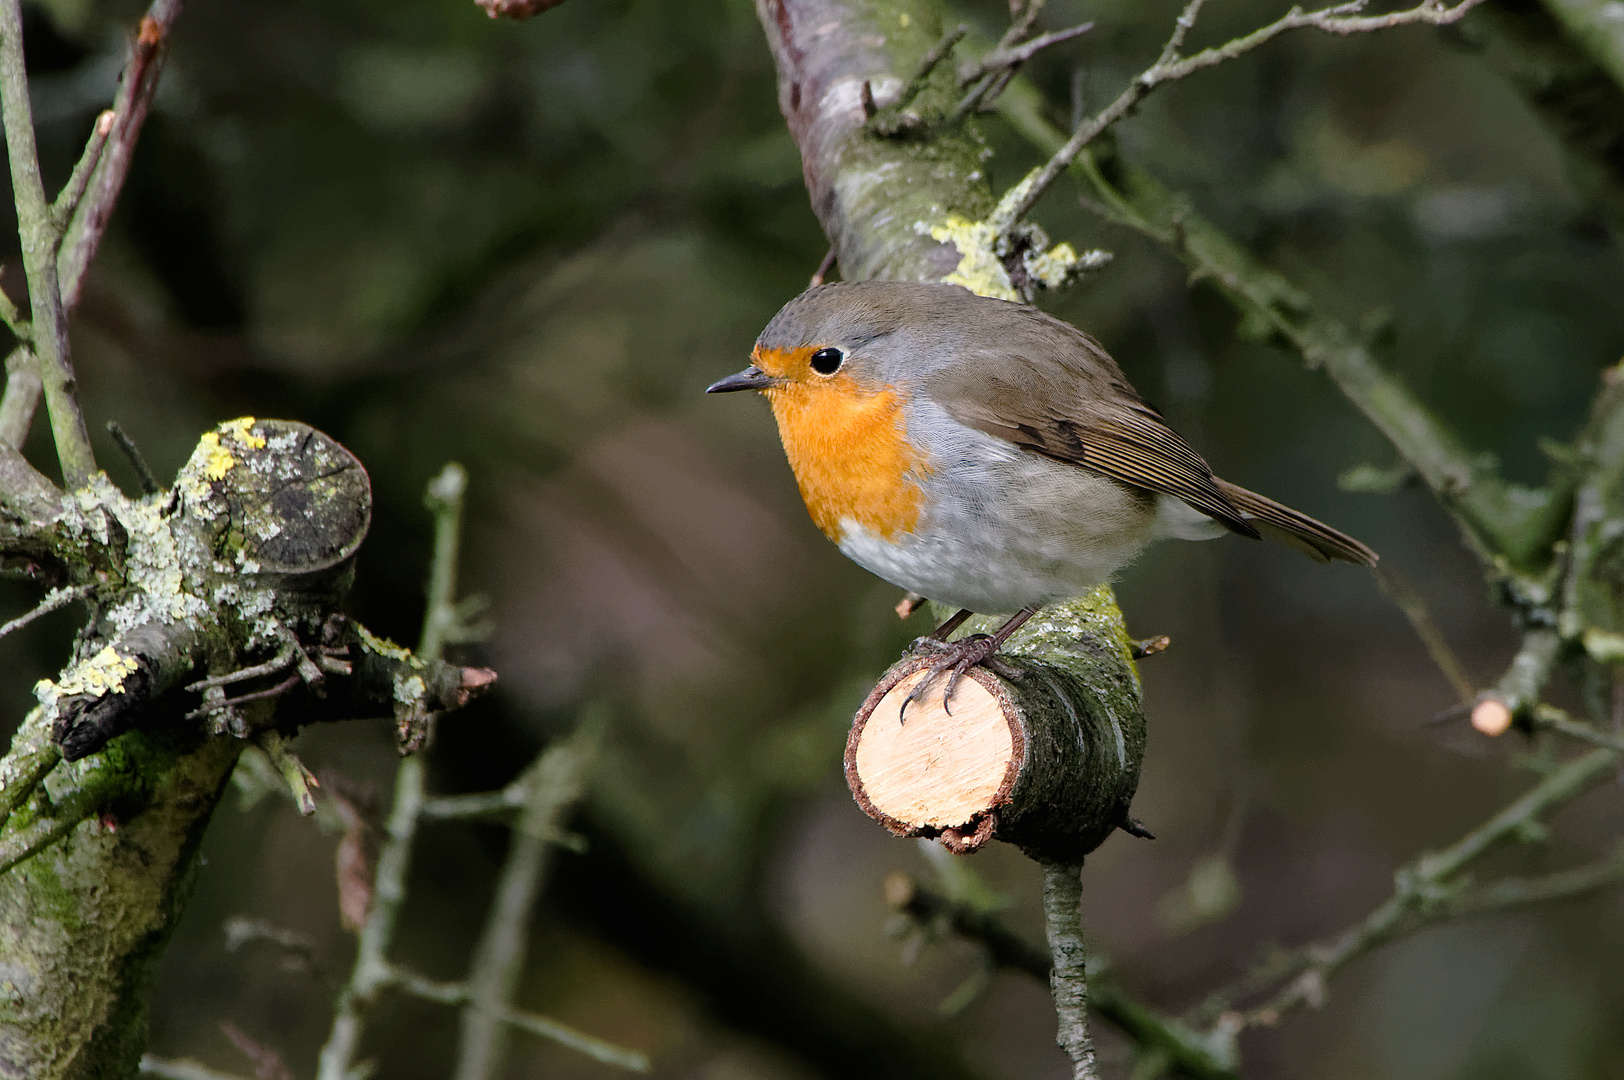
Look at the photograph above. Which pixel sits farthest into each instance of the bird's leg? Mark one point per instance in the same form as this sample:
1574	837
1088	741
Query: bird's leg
960	656
937	637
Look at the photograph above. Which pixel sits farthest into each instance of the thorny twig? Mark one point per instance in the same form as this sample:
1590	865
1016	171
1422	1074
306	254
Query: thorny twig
1172	65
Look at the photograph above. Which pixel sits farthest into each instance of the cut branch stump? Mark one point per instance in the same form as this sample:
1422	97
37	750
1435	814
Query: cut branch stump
1046	758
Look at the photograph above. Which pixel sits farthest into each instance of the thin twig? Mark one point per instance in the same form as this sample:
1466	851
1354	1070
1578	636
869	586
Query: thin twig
40	241
65	235
1554	719
546	1027
999	60
143	474
553	785
137	84
55	599
21	398
259	695
1171	66
1421	889
180	1069
444	499
1068	982
1398	589
67	200
276	664
41	833
1016	32
372	971
19	326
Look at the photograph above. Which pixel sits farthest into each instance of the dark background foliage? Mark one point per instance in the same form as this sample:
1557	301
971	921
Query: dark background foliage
528	247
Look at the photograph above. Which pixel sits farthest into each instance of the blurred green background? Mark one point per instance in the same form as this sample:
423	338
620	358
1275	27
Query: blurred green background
528	247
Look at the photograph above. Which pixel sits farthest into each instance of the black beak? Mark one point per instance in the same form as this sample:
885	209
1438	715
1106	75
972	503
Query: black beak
751	378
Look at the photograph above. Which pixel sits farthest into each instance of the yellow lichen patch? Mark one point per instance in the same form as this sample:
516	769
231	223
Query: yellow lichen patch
846	445
979	270
242	429
217	460
100	674
212	457
382	646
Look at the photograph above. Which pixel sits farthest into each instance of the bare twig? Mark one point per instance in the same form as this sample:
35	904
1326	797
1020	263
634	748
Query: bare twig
1068	982
179	1069
55	599
1399	590
1271	305
40	241
41	833
143	474
1171	66
298	778
137	84
298	948
67	200
14	320
1001	59
1017	31
259	695
553	784
21	398
544	1026
372	971
1554	719
928	62
1423	889
276	664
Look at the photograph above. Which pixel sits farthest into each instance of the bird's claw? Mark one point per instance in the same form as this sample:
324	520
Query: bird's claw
954	657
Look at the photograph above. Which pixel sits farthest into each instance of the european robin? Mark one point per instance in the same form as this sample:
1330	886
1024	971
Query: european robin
986	455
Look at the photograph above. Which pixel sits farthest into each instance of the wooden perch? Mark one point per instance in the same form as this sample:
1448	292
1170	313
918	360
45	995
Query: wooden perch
1046	759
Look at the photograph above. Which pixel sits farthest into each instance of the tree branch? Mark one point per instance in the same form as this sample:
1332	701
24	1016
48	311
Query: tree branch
1422	894
1172	66
554	783
1496	517
1068	981
40	239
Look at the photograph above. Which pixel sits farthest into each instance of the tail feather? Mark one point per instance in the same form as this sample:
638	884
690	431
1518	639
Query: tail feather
1277	522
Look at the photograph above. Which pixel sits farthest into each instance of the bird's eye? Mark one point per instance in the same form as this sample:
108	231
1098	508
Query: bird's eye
827	361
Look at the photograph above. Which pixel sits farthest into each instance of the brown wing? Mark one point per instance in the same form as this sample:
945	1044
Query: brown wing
1053	390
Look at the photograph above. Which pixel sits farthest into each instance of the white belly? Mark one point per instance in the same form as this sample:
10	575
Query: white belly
1003	528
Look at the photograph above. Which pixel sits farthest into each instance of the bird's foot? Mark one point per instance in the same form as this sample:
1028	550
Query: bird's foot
953	658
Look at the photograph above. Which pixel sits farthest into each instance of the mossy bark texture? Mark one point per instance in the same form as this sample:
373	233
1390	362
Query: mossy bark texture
110	782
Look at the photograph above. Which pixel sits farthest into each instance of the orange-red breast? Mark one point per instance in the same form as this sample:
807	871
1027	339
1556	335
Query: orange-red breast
985	454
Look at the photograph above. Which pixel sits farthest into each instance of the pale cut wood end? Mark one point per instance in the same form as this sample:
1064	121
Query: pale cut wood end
937	770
